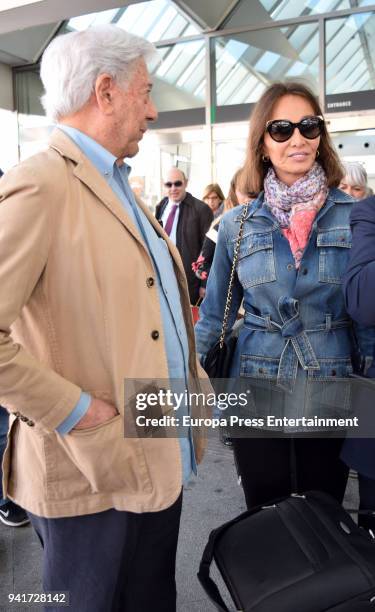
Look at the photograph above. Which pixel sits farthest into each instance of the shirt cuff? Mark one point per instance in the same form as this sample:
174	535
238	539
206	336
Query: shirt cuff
76	415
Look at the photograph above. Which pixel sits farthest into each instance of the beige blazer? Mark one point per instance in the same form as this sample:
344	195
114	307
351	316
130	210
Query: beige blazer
77	312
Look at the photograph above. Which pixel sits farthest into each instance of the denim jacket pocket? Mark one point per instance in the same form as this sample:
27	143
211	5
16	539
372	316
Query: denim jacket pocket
329	388
256	260
332	369
332	258
255	366
259	376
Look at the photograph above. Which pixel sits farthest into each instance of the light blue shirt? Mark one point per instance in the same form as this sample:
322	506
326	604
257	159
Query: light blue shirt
176	342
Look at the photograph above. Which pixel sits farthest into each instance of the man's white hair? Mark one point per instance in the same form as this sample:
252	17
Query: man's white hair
72	62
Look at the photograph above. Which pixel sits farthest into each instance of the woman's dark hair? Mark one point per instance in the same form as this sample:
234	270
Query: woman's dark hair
255	168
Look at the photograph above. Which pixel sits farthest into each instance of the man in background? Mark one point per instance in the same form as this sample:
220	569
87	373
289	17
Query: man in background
186	220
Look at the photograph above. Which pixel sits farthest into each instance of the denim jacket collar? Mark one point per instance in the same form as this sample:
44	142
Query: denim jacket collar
335	196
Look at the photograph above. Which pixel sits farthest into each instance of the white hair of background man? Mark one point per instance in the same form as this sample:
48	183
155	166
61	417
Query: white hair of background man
72	62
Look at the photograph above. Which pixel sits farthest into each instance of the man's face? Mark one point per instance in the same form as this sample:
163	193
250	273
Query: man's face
175	185
133	108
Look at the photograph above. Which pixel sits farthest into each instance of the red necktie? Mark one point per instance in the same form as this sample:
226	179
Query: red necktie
171	216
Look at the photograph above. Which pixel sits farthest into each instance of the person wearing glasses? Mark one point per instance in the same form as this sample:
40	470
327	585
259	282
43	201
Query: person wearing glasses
186	220
214	198
297	338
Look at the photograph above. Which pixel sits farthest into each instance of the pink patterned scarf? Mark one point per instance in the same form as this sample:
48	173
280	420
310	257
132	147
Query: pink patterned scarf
296	207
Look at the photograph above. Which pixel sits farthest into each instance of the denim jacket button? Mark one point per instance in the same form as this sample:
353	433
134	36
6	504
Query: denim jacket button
304	271
290	267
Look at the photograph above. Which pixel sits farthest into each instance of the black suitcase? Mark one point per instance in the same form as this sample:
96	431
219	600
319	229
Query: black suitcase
299	554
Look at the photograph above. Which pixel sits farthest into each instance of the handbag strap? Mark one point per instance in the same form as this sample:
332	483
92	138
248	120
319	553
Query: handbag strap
228	300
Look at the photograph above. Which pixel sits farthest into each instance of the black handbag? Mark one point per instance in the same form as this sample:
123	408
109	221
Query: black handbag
303	553
218	359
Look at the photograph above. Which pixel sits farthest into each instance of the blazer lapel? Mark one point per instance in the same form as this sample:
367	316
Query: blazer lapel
89	175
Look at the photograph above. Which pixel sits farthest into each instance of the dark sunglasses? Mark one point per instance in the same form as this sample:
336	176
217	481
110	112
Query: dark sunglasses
174	184
281	130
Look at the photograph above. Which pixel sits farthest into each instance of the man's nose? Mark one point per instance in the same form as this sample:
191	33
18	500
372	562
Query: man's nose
152	113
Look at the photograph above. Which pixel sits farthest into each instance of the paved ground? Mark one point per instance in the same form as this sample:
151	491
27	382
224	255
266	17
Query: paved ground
209	500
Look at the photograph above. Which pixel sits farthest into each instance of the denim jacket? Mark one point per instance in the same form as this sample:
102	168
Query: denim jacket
295	320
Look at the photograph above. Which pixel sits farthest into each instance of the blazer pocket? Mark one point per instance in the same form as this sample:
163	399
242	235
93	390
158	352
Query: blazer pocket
104	456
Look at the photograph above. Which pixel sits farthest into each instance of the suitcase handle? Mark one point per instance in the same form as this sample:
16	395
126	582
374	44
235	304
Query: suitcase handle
204	577
209	586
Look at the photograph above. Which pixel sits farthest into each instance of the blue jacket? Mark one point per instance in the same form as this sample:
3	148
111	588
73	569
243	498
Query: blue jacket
359	281
296	324
359	289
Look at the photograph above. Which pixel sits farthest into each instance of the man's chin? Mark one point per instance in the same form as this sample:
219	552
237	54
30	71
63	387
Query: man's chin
132	149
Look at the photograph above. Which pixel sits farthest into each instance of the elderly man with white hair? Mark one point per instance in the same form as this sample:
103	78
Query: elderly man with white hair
93	293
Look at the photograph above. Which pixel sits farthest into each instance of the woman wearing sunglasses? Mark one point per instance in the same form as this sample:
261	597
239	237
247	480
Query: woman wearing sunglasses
297	339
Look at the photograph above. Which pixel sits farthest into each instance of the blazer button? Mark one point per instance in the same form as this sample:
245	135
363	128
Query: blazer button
150	282
30	423
155	334
17	414
304	271
24	419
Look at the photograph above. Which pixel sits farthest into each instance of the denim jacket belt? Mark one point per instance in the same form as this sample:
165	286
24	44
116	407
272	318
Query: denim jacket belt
297	348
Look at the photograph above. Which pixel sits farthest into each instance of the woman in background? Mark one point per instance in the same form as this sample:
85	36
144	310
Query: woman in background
214	198
202	266
354	183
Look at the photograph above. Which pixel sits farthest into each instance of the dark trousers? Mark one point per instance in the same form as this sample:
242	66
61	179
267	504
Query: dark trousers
112	561
276	467
4	421
366	488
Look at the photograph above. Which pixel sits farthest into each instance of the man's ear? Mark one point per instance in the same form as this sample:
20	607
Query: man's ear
104	93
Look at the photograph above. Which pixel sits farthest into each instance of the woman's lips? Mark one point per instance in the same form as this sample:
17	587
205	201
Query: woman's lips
299	156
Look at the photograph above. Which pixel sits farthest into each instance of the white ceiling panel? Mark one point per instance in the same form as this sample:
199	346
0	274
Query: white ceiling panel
208	13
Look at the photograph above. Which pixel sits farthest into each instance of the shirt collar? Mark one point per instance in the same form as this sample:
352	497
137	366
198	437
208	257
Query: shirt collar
100	157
